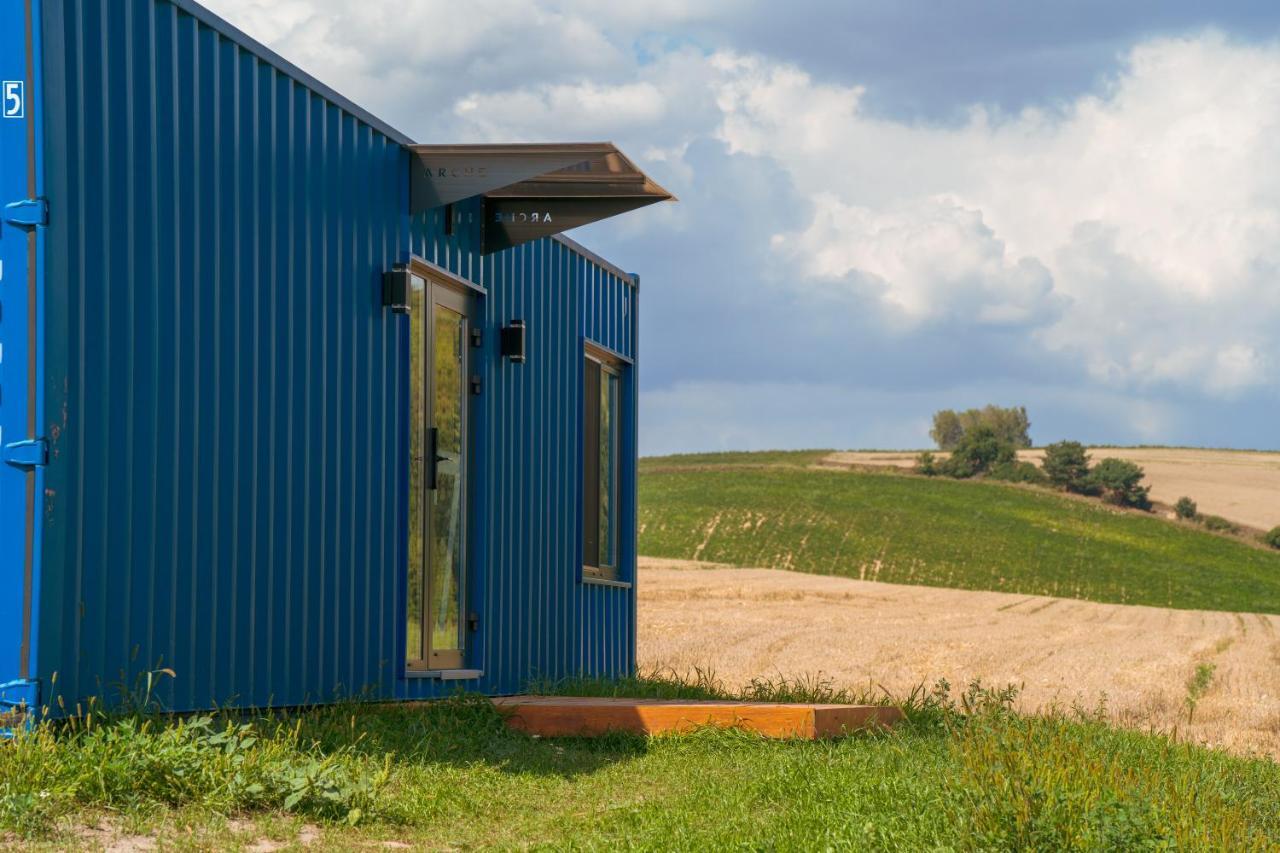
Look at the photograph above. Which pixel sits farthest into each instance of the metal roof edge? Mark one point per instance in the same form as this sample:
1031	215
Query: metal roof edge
574	246
599	147
248	42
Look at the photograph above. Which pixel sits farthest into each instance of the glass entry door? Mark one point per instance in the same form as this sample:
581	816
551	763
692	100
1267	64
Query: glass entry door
438	450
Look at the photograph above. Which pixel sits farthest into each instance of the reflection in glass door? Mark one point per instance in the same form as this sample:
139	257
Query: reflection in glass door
437	477
445	494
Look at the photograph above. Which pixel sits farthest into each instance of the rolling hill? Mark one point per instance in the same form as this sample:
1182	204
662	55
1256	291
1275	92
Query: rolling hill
773	510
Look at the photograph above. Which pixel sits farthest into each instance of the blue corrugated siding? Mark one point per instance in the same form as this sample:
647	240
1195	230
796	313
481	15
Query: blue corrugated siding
226	392
223	378
537	617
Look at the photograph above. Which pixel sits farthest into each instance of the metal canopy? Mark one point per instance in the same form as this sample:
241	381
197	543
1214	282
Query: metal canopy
531	190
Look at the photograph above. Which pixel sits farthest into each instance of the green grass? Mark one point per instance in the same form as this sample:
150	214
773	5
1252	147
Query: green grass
968	535
1198	685
962	773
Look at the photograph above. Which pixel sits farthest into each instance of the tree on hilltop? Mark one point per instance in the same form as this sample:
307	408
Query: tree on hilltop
1010	425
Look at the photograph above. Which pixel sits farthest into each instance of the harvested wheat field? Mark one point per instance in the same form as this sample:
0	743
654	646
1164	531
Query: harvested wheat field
761	623
1243	486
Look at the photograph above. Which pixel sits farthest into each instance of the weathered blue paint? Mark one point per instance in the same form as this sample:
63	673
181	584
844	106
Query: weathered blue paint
22	264
227	397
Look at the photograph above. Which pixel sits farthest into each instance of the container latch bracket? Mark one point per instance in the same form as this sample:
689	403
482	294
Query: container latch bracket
28	213
32	453
18	702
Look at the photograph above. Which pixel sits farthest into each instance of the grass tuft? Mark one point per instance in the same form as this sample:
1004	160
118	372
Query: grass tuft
1198	685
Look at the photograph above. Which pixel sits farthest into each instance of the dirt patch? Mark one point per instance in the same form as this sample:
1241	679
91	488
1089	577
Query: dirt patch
1243	486
307	836
760	623
106	836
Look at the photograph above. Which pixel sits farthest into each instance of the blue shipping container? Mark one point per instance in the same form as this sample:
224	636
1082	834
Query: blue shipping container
229	452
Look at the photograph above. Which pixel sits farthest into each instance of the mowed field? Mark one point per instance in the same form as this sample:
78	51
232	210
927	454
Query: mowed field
1136	661
1243	486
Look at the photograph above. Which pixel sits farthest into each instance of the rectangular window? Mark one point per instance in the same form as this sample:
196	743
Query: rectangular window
601	423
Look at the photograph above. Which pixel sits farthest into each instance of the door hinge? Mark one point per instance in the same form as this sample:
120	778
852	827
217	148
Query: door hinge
32	453
477	337
28	213
476	384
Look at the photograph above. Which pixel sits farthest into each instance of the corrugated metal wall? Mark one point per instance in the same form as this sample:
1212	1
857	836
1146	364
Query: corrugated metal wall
223	381
226	391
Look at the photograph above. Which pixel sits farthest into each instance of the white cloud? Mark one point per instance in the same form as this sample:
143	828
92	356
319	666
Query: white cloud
576	110
396	48
931	260
396	56
1153	209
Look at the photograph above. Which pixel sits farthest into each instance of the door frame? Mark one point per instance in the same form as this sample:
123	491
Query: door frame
461	296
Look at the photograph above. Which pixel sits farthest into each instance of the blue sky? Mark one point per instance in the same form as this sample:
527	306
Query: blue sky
888	207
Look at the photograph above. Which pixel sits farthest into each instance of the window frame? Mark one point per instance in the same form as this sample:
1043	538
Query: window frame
613	364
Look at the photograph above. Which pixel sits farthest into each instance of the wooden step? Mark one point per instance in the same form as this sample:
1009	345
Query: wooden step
571	716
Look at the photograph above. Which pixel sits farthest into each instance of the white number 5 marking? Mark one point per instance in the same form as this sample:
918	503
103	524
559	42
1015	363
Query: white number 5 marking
14	99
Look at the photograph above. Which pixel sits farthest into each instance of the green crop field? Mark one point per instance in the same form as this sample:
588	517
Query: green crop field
965	775
770	510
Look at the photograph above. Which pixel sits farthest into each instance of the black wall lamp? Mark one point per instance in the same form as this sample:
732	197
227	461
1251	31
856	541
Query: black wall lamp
513	340
395	289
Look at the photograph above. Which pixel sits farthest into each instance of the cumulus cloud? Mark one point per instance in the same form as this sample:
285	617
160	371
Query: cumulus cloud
1133	227
930	259
576	108
399	54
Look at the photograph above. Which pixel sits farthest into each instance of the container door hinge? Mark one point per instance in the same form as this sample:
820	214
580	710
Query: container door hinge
19	701
32	453
477	385
28	213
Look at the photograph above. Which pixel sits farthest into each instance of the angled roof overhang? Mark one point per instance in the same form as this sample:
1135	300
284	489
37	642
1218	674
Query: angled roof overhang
531	190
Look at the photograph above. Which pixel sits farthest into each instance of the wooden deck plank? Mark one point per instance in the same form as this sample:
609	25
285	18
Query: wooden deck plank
572	716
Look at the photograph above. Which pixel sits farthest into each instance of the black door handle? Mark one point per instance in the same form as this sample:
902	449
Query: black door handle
433	459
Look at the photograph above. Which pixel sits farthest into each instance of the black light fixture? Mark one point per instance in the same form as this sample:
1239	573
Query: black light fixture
395	289
513	341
